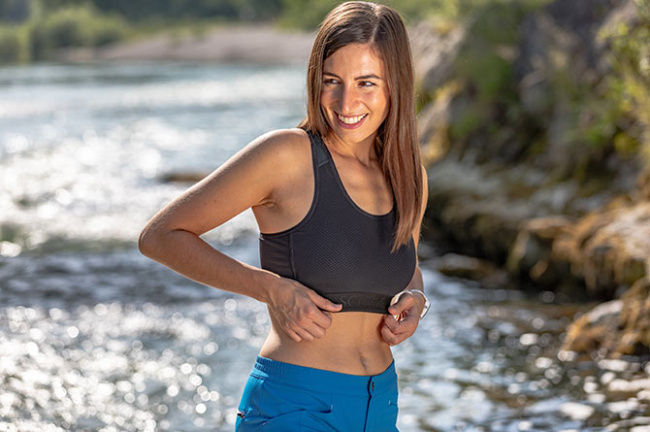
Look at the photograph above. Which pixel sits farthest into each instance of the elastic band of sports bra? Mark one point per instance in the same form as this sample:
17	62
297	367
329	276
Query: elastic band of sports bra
361	301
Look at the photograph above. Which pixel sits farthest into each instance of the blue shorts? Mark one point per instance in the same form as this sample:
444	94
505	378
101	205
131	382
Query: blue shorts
284	397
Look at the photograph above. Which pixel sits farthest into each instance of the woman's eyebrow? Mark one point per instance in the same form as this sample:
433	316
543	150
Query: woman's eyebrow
362	77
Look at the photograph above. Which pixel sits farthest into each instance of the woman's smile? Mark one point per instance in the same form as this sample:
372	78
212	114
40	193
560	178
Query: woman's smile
351	122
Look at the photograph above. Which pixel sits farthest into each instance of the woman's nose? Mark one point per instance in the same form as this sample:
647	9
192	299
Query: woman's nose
349	99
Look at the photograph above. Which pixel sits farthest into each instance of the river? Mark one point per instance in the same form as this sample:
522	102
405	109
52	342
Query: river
95	337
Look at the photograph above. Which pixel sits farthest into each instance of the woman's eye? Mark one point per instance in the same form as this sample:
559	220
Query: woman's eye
330	81
367	83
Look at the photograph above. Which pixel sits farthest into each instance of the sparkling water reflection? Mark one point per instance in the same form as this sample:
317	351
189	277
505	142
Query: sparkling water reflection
147	367
119	362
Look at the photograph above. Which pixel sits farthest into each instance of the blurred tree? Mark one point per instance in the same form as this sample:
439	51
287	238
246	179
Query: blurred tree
306	15
73	27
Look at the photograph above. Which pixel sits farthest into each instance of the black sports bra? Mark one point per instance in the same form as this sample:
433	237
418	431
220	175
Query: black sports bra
339	250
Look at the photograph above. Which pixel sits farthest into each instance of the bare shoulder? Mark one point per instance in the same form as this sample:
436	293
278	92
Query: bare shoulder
280	145
268	161
282	159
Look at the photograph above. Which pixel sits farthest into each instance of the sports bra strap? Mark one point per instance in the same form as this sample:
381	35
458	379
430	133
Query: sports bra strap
321	152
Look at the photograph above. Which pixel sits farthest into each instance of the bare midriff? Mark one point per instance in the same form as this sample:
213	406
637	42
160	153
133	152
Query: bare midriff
352	345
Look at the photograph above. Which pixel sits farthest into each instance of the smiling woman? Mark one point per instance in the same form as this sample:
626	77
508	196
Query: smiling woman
338	202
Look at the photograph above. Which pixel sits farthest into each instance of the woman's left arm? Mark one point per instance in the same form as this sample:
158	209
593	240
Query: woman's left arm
404	316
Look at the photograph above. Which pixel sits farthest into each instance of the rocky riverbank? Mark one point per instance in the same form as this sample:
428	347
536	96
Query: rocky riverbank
532	163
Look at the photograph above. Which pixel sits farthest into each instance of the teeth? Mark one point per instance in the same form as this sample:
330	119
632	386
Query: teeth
351	120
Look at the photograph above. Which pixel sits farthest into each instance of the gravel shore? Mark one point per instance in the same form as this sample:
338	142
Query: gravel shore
238	44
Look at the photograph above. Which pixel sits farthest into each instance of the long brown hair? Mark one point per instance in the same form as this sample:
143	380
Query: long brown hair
397	144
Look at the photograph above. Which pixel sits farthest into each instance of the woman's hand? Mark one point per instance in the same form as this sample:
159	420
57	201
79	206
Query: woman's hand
403	319
299	311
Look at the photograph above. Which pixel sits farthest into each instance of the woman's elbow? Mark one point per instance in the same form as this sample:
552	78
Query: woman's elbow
149	242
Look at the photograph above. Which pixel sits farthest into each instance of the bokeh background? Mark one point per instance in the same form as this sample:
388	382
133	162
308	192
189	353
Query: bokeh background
534	120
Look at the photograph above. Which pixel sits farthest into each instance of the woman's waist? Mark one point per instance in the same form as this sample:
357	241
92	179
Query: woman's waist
306	378
352	344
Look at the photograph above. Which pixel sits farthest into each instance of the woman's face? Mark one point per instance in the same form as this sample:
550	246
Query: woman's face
354	95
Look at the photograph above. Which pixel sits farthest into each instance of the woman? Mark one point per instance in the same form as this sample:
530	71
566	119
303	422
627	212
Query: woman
339	203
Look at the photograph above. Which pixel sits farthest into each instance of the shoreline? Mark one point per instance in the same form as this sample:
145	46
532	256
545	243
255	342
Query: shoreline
238	43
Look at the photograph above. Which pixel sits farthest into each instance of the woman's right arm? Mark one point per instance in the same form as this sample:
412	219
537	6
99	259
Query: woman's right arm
249	178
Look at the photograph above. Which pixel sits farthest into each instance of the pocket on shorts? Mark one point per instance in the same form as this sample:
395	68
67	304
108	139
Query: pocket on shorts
280	407
392	410
299	421
384	414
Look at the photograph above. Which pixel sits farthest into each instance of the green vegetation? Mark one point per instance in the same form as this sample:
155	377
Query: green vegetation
485	63
629	88
13	45
45	30
73	27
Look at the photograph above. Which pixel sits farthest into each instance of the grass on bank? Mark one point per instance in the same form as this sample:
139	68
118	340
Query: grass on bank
72	27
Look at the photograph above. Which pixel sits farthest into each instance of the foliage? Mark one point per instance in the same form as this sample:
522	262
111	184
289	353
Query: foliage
73	27
629	87
299	14
13	45
47	31
485	60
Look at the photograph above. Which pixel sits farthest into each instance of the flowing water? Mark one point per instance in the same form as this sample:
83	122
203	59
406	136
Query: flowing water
95	337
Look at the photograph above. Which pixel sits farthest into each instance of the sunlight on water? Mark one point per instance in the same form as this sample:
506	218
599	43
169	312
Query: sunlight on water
132	368
117	361
84	162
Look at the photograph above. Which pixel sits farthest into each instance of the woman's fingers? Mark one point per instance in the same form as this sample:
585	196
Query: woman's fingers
407	305
395	332
313	324
293	335
324	304
321	316
300	315
389	336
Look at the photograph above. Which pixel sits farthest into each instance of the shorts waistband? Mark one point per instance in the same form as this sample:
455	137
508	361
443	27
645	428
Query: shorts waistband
336	382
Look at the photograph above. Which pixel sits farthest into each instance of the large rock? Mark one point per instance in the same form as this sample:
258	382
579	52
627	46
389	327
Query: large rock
433	124
615	328
435	46
531	257
562	39
609	248
481	210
